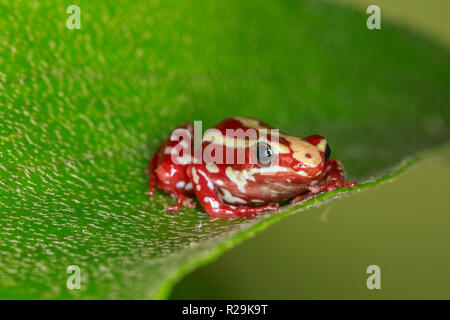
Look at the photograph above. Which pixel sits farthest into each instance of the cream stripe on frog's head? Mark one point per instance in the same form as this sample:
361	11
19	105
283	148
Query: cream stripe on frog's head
305	152
215	136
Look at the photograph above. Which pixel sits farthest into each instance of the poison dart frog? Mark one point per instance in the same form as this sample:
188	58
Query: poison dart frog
273	168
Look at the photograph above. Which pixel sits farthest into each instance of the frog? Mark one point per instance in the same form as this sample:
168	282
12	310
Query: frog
275	168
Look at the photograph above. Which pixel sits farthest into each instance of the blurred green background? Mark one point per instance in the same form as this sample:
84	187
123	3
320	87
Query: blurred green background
402	226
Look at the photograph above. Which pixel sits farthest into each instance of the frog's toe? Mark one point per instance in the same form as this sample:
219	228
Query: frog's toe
189	203
351	184
181	199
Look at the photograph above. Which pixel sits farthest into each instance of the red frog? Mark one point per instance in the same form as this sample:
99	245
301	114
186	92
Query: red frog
273	167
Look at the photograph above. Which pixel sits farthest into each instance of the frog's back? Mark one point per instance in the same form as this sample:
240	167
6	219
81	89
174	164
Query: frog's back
241	123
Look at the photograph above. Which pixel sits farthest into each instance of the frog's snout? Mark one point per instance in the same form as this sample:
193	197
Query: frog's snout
320	143
327	152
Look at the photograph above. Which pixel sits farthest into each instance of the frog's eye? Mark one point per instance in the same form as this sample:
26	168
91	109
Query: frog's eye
327	152
264	154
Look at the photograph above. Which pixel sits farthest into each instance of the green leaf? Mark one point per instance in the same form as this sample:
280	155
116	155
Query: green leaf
82	111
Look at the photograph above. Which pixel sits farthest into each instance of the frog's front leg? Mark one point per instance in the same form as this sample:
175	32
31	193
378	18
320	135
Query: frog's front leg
181	199
210	201
333	177
169	175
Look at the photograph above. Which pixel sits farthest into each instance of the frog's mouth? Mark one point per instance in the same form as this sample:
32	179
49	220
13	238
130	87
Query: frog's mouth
273	192
280	174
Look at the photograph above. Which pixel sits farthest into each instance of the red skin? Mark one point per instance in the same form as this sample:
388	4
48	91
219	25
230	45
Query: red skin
260	188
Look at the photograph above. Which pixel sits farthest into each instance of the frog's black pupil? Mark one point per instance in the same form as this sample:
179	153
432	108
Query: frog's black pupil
327	152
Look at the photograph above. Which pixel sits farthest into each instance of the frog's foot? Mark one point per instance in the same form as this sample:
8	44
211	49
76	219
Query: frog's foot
218	209
334	177
181	199
315	190
242	211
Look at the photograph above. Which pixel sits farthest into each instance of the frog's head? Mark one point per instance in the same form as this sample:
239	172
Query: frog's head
286	158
